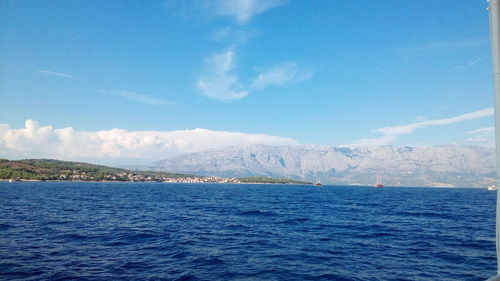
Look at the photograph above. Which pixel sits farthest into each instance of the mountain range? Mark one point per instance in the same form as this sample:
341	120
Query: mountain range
441	166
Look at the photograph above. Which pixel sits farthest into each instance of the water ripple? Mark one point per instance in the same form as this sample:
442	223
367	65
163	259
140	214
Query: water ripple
103	231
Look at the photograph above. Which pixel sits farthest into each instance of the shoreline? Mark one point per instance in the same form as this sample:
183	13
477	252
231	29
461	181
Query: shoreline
243	183
174	182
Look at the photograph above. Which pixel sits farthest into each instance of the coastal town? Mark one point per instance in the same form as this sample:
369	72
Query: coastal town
132	177
56	170
138	177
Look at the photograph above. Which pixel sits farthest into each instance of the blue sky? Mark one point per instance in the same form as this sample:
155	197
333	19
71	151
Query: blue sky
135	79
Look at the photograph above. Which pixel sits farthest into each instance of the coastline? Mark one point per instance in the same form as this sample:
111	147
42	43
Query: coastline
174	182
238	183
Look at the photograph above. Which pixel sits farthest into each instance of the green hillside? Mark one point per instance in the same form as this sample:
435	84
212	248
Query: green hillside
48	169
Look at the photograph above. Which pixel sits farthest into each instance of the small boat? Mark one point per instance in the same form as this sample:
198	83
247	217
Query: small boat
318	182
492	187
379	182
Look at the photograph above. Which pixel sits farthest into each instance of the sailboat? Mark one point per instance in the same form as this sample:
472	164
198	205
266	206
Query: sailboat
379	182
318	182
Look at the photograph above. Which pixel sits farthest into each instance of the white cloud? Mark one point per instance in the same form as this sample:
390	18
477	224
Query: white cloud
390	133
280	75
35	141
244	10
406	129
219	81
483	136
25	138
57	74
478	139
137	97
486	130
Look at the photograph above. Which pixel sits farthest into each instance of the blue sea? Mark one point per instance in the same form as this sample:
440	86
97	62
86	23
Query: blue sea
149	231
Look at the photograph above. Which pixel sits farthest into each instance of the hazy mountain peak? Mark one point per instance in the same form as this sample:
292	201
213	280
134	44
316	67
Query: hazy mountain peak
447	165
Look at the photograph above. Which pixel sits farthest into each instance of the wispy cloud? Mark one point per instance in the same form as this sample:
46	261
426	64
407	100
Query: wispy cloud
406	129
57	74
35	141
219	81
137	97
487	130
444	46
390	133
483	136
479	140
280	75
468	64
244	10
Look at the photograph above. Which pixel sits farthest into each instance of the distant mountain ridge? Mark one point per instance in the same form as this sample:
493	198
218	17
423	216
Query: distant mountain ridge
460	166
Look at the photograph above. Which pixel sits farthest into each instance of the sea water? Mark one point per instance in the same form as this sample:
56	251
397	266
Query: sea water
146	231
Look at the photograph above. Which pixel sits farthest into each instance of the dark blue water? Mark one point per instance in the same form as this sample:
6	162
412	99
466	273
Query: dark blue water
103	231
